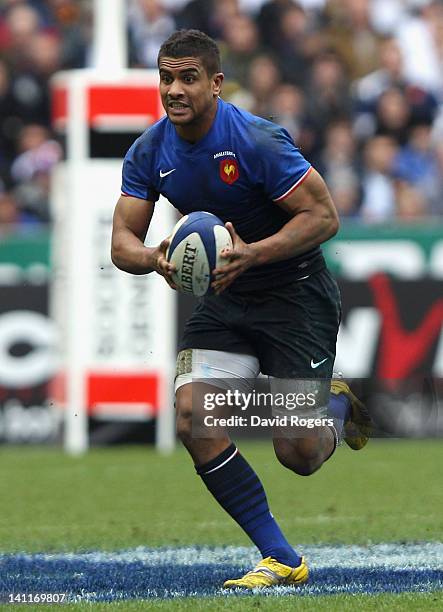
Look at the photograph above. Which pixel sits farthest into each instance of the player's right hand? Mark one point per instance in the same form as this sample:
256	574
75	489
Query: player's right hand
161	265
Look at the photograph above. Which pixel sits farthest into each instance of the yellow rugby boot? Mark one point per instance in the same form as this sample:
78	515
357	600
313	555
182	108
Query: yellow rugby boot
358	427
268	573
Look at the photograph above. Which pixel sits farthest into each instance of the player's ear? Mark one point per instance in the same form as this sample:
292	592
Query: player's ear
217	81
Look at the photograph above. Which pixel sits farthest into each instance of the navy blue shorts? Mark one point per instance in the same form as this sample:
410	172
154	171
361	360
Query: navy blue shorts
291	329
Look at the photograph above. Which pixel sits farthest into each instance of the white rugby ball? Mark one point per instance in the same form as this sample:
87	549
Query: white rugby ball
195	246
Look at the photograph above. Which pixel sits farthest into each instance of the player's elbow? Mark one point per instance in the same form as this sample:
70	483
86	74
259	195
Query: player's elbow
327	218
333	221
333	225
328	224
117	256
115	260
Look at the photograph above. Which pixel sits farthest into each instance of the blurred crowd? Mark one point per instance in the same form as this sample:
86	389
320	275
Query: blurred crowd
357	83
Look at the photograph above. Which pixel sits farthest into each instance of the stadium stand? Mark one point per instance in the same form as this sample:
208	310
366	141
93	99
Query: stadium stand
358	84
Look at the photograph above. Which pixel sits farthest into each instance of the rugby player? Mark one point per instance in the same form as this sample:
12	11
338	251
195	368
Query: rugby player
275	307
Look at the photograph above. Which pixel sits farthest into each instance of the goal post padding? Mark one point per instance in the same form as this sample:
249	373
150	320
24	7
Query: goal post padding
117	332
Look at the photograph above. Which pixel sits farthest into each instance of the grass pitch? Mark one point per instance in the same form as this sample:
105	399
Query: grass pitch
122	498
114	499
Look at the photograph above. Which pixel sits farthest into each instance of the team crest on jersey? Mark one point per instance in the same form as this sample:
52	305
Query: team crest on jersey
229	170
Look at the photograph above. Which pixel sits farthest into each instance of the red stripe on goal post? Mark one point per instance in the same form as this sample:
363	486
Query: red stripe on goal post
124	100
129	388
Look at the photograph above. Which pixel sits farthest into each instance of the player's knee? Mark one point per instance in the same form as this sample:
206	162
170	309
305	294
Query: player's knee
184	427
299	456
183	419
299	466
306	468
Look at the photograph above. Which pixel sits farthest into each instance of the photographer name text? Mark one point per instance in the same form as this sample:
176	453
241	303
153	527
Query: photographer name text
253	420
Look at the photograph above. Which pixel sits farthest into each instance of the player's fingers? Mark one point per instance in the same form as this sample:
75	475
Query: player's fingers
232	266
165	268
219	289
221	283
164	245
231	230
162	265
163	262
226	253
220	273
167	275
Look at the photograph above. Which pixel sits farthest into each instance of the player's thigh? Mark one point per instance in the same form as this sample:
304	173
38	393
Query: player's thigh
204	378
215	325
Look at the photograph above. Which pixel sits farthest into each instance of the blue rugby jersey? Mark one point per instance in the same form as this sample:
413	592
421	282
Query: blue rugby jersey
238	171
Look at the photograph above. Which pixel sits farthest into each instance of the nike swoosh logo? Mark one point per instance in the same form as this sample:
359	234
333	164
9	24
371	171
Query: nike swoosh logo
162	174
315	365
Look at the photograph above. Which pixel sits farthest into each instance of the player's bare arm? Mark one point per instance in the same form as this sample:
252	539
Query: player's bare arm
314	220
132	217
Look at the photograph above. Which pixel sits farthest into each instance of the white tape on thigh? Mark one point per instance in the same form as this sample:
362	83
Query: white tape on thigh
218	368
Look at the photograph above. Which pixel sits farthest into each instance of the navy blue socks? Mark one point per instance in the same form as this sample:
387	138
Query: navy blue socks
237	488
339	408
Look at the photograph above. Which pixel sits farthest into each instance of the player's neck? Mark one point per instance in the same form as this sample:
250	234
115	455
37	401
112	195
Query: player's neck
194	132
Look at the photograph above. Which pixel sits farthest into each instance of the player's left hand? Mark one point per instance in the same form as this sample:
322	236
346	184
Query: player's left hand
240	258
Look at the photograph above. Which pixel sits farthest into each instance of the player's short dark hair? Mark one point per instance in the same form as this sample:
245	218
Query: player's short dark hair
192	43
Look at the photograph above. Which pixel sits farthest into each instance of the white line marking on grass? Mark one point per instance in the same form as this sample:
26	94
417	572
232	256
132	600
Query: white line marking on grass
427	555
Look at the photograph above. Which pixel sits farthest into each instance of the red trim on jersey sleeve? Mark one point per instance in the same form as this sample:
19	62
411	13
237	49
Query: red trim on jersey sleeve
294	187
129	195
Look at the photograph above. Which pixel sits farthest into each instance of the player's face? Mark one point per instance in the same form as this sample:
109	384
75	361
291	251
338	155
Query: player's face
188	94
